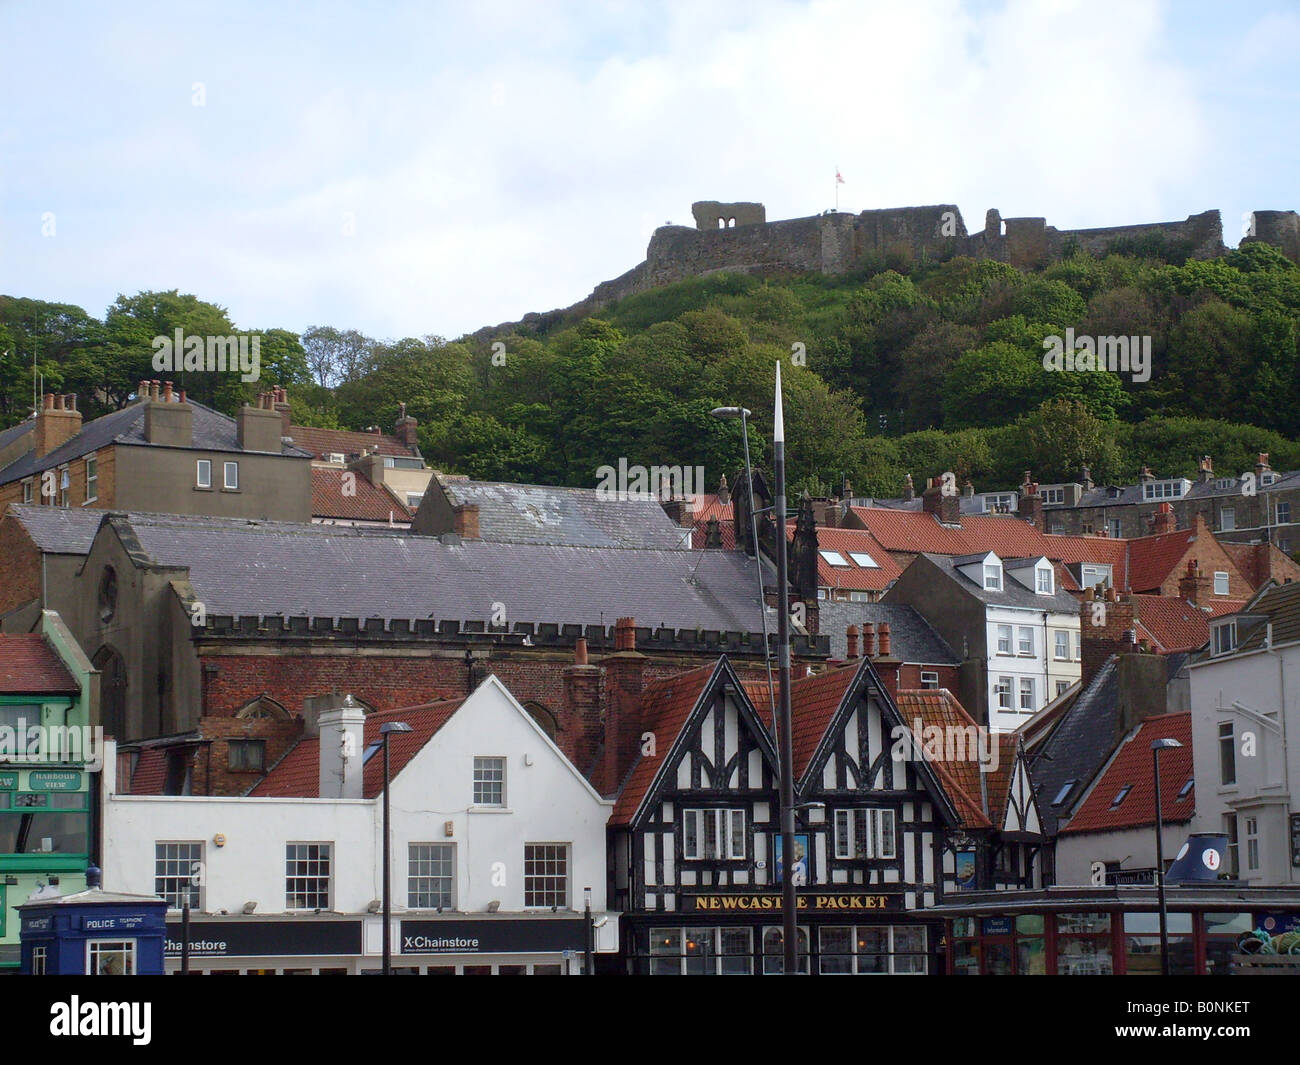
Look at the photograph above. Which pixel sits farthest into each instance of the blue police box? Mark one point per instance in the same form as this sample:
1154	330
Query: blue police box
93	933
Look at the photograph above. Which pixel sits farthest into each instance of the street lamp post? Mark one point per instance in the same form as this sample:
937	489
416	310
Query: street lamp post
1156	747
386	730
589	946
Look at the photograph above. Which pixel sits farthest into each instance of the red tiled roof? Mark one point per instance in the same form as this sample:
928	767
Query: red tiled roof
813	702
324	442
726	534
368	501
665	705
1132	768
1072	550
30	665
297	774
150	774
961	777
707	505
853	577
1174	624
1152	558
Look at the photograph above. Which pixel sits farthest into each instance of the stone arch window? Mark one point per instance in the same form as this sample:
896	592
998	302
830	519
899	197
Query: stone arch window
731	223
722	223
263	708
539	713
112	691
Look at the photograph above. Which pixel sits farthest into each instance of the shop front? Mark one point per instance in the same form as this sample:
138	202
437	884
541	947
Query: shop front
1114	930
335	945
742	934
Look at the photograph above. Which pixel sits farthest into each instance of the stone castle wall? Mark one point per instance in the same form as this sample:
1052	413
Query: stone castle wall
737	237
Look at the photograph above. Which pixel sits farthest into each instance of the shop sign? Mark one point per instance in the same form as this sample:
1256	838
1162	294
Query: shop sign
500	936
814	902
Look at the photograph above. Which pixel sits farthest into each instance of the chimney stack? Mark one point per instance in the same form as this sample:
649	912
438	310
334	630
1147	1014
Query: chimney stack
583	728
853	643
946	508
1105	631
464	517
624	682
57	422
258	428
724	492
280	402
406	429
1030	506
1163	520
1262	467
909	489
167	421
869	640
1194	587
1206	471
342	743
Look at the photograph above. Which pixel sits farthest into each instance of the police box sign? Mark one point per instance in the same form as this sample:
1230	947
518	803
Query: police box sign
118	923
501	936
251	939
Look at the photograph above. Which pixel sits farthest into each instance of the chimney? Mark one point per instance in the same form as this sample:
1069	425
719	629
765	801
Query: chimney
677	510
1085	478
1030	507
1104	621
1145	475
342	736
624	681
280	403
1142	680
869	639
1194	587
1163	520
968	490
713	533
57	422
465	521
853	643
909	489
258	428
582	703
885	648
946	508
405	429
724	492
1205	474
166	421
153	390
1262	467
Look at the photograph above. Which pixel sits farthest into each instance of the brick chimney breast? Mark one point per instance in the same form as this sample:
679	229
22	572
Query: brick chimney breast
944	507
56	423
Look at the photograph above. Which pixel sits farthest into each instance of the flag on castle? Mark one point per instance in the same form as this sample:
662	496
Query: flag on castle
839	178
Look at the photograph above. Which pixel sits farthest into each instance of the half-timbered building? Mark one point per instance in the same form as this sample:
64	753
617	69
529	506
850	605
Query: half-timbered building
695	852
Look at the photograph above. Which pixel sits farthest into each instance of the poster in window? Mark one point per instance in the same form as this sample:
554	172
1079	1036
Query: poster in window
802	854
966	879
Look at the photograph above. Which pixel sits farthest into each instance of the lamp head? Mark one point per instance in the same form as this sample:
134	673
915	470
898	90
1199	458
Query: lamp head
1164	745
394	726
730	412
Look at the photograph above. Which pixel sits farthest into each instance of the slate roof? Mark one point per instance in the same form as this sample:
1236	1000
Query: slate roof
321	443
365	502
267	568
666	705
1131	768
30	665
212	431
58	530
8	436
1077	747
573	517
1279	605
297	774
912	640
1013	593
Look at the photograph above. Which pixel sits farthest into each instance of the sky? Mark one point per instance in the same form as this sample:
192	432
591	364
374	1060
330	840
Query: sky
432	168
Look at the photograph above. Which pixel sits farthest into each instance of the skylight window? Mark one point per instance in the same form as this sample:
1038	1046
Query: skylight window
1121	795
1064	793
863	559
834	558
1186	789
370	750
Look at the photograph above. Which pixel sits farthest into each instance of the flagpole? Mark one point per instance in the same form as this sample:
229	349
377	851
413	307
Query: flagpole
789	922
837	190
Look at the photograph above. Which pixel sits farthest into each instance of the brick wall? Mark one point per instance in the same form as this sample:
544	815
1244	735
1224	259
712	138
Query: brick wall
20	565
13	492
211	772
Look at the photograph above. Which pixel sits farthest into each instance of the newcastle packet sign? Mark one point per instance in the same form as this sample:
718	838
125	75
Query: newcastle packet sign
816	902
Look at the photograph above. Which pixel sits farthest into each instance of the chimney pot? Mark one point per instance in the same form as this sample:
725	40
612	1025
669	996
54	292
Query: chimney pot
167	392
580	651
853	642
869	640
884	639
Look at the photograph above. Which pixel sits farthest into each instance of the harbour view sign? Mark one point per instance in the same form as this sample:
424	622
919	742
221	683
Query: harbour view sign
815	902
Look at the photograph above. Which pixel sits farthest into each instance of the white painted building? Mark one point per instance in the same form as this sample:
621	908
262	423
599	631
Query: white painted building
1245	703
495	837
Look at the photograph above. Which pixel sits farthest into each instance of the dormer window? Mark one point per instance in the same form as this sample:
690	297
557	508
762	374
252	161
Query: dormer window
993	576
1165	489
1046	585
1223	638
